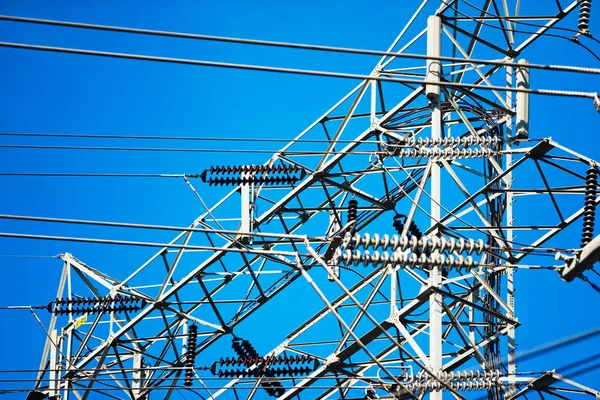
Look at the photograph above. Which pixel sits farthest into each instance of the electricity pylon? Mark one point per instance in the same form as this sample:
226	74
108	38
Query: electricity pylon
432	149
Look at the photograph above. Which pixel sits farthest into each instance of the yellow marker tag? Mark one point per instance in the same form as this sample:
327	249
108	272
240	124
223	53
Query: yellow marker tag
80	321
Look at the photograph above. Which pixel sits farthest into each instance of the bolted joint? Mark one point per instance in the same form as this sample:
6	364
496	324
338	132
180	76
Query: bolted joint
332	363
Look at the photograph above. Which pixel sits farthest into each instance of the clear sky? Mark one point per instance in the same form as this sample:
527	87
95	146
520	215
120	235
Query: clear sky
59	93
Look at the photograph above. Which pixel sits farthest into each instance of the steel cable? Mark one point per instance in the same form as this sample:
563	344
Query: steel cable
300	46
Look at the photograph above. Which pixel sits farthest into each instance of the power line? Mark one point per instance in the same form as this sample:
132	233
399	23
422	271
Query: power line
141	244
300	46
26	256
144	226
183	138
252	67
181	150
584	370
91	175
552	346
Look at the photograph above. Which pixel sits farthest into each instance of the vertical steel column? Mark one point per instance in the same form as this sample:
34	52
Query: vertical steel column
522	75
138	375
334	226
184	333
49	343
510	289
245	209
53	376
69	336
434	70
373	103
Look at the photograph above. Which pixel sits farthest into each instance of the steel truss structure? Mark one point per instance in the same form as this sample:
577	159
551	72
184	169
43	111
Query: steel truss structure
430	313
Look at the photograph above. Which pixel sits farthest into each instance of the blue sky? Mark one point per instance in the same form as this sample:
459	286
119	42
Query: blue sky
58	93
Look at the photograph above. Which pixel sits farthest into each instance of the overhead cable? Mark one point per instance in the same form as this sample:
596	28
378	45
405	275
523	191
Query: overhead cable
300	46
182	150
190	138
142	244
145	226
253	67
91	175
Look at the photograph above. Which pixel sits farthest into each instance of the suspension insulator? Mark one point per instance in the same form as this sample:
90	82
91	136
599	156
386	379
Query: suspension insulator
426	245
244	349
237	347
414	230
295	371
269	180
249	349
248	357
352	214
583	24
437	153
269	389
464	381
273	387
261	372
402	260
466	141
253	174
267	360
398	224
279	389
352	211
235	169
91	305
589	209
190	357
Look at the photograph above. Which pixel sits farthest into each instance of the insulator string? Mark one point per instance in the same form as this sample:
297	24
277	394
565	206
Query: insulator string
399	259
92	305
415	242
583	24
244	349
252	174
190	356
263	68
589	208
351	218
438	153
268	360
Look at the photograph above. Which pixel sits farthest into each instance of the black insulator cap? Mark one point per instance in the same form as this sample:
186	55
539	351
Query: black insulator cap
352	209
414	230
270	391
398	224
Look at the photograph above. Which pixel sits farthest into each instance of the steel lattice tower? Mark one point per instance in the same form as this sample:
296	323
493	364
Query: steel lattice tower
436	160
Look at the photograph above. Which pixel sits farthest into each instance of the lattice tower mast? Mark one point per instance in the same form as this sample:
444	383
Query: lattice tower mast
439	157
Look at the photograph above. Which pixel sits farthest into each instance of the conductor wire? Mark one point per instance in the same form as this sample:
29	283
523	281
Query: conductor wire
300	46
252	67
